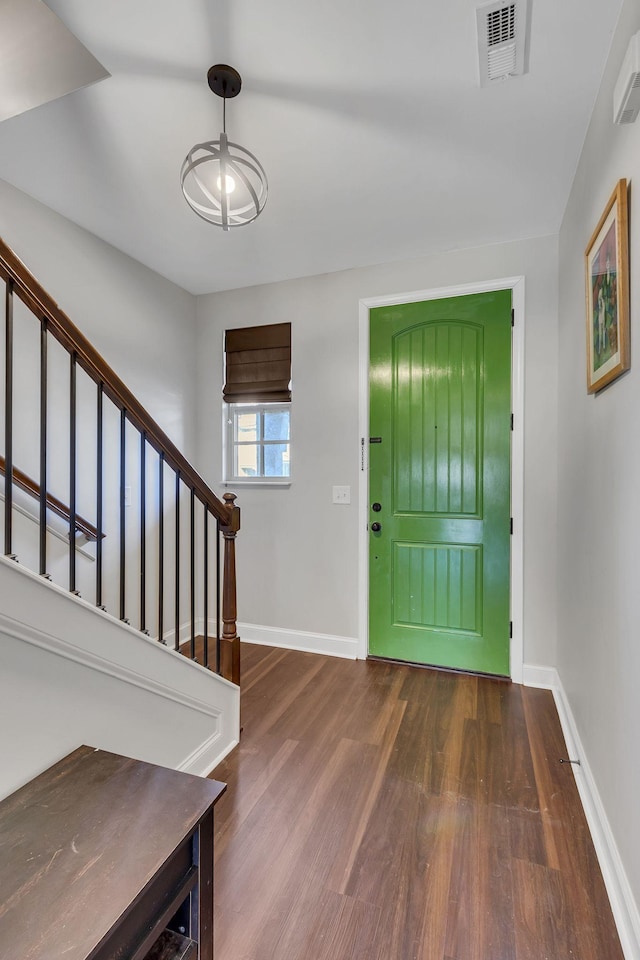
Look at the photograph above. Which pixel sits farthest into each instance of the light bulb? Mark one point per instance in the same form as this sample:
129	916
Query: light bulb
229	184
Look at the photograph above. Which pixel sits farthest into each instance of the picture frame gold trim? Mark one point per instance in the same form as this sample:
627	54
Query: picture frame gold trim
607	293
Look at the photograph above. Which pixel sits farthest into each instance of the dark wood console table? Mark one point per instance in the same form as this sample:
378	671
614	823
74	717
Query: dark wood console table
107	858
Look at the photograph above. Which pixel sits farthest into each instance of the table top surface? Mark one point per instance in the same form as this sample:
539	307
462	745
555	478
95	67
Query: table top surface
80	842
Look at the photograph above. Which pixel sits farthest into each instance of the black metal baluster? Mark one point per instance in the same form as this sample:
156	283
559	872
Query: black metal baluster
193	575
43	447
72	473
217	596
177	608
143	531
205	641
8	421
123	464
99	467
161	548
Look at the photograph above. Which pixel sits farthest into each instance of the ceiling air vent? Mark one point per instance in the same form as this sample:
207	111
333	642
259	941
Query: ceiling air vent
502	41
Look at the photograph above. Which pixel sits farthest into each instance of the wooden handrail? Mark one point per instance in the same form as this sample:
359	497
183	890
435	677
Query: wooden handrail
42	305
56	506
21	282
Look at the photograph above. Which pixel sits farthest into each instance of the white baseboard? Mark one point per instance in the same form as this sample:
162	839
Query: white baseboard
327	644
536	676
207	756
184	633
623	904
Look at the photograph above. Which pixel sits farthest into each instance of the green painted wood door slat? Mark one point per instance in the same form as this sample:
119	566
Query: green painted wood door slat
440	398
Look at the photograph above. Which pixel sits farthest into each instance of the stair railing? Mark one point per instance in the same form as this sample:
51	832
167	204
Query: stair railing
177	485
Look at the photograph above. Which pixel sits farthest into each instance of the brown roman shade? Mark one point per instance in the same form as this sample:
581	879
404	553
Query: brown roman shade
258	366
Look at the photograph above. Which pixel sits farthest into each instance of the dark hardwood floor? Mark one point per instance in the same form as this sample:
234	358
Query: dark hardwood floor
386	812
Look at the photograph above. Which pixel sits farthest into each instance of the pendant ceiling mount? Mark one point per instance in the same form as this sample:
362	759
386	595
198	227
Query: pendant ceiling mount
224	81
221	181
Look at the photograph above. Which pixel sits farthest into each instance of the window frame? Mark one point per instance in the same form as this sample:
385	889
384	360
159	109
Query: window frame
230	443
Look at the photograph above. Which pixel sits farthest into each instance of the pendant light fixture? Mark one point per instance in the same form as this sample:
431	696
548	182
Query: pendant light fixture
221	181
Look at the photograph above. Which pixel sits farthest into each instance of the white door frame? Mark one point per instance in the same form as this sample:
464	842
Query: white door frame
516	285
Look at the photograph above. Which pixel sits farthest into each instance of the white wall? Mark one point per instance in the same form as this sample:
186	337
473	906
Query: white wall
144	326
297	552
598	500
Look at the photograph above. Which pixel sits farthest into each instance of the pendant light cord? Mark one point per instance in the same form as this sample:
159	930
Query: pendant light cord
224	108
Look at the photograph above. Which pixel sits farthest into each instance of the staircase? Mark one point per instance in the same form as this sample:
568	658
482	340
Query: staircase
118	561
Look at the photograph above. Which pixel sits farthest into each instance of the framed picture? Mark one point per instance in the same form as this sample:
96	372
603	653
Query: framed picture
607	276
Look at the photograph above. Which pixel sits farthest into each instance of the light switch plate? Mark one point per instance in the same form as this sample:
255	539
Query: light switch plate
342	494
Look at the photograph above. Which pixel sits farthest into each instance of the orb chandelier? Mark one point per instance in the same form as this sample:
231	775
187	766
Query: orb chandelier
221	181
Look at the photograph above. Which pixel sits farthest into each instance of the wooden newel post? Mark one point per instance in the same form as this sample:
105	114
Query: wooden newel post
230	641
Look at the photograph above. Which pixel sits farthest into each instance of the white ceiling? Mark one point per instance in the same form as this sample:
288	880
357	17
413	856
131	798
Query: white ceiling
40	59
377	140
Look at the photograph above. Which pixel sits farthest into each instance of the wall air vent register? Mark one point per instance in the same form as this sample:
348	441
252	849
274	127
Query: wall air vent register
503	48
626	96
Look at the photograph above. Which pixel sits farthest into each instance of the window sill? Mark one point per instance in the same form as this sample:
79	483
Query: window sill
256	482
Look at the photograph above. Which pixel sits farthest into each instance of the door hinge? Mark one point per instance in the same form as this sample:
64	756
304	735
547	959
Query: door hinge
511	525
510	629
513	317
512	421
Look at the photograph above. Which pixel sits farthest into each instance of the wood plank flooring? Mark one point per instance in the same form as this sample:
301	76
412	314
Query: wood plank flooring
384	812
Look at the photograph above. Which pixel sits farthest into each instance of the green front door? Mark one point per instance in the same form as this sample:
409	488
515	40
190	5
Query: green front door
439	482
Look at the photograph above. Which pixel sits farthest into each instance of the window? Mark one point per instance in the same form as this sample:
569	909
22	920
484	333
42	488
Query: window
257	395
258	441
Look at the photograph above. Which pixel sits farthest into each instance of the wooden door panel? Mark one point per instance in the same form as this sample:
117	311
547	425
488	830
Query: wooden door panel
437	420
437	586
